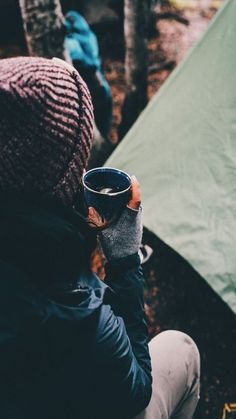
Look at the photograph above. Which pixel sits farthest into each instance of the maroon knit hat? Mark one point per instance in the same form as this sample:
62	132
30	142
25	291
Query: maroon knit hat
46	124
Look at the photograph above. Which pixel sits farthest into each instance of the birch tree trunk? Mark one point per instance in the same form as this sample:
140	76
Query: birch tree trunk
43	26
136	14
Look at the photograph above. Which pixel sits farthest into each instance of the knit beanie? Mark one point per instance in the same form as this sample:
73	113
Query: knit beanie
46	125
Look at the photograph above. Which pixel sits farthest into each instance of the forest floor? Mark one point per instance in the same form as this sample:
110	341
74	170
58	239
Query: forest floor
176	296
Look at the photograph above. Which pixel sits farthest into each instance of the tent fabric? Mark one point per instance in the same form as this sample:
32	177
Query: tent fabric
183	151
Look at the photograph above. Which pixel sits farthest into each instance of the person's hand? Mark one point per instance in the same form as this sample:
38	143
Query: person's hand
96	221
135	200
123	238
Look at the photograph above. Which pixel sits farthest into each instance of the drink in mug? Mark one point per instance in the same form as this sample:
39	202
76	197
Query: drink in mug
107	189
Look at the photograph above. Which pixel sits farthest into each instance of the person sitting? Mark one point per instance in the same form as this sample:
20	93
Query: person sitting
82	45
71	345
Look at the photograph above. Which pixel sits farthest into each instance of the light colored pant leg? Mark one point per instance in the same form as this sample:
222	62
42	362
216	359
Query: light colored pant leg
176	372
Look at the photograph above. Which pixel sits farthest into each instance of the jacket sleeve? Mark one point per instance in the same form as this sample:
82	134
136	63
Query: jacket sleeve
123	340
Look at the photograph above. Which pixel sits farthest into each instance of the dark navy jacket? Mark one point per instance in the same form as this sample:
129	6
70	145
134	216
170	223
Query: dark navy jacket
71	346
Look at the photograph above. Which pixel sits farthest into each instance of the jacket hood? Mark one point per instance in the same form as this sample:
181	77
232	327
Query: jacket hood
47	241
44	269
81	43
24	308
76	23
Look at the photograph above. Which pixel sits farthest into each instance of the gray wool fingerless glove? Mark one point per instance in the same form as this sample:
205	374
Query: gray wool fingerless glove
123	238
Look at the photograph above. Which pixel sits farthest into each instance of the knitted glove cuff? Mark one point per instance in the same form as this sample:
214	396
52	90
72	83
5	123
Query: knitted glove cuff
123	238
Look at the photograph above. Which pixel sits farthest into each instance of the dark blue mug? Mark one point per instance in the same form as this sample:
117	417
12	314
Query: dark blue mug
107	190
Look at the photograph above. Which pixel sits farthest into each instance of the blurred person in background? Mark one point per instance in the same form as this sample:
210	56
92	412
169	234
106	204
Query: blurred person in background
82	45
72	346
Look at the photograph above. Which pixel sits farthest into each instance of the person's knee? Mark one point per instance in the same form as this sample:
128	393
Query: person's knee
182	346
189	349
177	338
176	372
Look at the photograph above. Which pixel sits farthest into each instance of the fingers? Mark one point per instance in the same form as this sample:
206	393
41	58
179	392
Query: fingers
135	200
95	220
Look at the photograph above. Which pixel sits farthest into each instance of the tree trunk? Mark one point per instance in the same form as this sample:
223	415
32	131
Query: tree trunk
135	28
43	26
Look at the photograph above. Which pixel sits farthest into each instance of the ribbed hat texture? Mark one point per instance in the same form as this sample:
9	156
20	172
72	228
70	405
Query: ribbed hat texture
46	125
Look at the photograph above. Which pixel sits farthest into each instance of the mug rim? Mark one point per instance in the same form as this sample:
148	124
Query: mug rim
109	193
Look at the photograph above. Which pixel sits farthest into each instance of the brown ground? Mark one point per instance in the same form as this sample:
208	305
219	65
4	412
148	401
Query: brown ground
178	298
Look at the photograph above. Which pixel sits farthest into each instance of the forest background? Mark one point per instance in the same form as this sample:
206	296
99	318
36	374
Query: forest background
175	296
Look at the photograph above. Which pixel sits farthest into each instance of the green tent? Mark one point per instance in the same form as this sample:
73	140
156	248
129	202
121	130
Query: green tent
183	151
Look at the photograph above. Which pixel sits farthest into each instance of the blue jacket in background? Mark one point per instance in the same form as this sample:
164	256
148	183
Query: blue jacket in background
81	42
82	45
